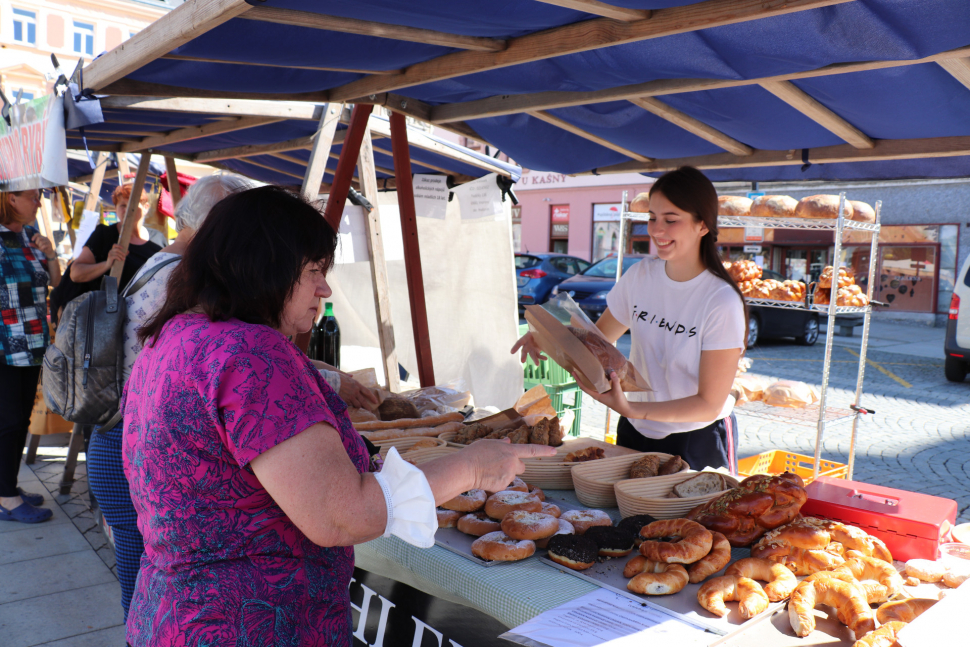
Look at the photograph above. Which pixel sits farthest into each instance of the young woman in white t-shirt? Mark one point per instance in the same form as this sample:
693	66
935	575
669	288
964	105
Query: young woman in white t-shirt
687	323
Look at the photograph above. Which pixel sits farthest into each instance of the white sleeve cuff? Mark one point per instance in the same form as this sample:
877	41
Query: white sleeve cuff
332	378
411	512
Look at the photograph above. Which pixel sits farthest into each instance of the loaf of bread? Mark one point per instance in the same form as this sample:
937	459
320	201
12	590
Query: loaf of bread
825	279
862	211
743	271
851	296
394	434
824	207
397	408
790	394
609	357
430	421
774	206
760	503
703	483
730	205
749	388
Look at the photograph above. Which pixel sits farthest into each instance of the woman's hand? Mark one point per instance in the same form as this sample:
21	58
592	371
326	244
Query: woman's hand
44	245
356	394
117	254
615	398
529	349
496	462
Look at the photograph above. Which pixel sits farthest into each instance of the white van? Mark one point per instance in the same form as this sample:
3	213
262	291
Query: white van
957	344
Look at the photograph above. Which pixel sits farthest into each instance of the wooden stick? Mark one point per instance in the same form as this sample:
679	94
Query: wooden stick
317	165
133	203
174	188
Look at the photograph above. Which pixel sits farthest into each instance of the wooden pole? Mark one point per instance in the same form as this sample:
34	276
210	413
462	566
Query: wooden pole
45	219
320	153
133	203
367	175
345	165
100	164
174	188
123	168
412	250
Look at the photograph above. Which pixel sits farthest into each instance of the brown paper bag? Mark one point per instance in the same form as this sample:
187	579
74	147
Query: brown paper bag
555	340
534	402
43	421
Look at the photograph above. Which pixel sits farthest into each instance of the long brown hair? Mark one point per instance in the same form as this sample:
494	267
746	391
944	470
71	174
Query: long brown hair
690	190
6	209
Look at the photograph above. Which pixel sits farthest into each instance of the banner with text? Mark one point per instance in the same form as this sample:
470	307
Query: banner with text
33	151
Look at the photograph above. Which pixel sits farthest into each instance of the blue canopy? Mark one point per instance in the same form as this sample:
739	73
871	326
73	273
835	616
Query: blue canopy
883	75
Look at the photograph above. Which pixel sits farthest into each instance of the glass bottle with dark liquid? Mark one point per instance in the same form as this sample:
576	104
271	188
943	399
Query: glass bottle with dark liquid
325	339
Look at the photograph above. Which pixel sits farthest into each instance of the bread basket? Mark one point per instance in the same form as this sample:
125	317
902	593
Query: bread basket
424	455
594	480
404	444
649	496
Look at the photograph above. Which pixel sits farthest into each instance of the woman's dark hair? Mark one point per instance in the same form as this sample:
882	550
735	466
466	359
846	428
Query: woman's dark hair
246	259
690	190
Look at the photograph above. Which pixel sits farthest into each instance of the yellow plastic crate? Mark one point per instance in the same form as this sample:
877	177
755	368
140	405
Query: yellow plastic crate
778	462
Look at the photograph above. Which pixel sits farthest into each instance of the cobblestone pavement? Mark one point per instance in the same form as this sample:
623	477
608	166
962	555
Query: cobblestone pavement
918	439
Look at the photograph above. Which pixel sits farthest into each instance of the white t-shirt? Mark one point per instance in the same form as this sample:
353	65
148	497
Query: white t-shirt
670	324
142	305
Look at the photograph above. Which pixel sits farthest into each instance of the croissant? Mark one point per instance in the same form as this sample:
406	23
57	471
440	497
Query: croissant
905	610
846	597
884	636
715	560
654	578
781	581
732	588
863	567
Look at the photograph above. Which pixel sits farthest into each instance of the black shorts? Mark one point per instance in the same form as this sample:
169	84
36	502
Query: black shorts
712	446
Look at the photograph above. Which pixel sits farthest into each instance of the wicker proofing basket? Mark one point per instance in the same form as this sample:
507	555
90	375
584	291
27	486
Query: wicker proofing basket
425	455
594	480
404	444
649	496
548	473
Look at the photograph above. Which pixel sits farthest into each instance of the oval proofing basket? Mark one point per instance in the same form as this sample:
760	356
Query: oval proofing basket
649	496
424	455
404	444
594	480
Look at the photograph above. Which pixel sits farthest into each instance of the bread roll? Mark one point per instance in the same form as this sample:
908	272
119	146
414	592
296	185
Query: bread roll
397	408
823	207
774	206
862	211
730	205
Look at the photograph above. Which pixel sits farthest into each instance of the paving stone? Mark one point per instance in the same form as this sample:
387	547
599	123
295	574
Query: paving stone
58	616
110	636
41	540
46	575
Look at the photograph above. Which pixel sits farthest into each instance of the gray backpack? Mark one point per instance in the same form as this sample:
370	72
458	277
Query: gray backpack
83	374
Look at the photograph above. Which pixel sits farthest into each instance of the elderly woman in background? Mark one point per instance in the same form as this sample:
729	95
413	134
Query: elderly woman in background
250	482
27	266
101	250
106	475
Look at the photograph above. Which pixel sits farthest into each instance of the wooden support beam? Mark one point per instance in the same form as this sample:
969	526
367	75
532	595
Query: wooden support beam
84	179
97	178
174	188
579	37
144	89
53	265
550	118
368	28
601	9
412	249
104	138
959	68
197	132
215	107
345	166
808	106
123	167
378	264
220	61
184	23
693	126
515	103
262	149
128	226
320	153
883	150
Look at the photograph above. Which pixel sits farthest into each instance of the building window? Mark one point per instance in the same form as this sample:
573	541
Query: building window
26	96
24	26
83	38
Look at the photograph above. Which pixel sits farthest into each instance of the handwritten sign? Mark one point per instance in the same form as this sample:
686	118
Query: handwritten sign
33	146
480	199
430	196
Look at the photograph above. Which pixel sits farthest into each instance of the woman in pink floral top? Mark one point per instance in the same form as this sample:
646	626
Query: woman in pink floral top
249	480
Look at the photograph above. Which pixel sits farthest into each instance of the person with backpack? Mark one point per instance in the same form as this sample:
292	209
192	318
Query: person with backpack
106	476
27	266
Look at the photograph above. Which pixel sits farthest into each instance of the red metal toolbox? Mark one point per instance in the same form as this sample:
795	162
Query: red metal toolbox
911	524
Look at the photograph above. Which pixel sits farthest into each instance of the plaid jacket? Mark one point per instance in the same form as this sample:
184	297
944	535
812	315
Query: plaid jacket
24	334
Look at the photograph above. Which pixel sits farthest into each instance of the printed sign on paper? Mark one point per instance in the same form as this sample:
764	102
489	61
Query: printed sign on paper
480	198
33	152
430	195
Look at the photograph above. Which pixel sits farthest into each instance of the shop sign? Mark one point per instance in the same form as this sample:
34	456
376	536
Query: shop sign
387	613
754	234
560	213
560	231
607	212
752	249
33	146
517	214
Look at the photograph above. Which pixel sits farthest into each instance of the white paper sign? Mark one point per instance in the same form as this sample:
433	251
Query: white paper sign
430	196
89	220
480	199
605	618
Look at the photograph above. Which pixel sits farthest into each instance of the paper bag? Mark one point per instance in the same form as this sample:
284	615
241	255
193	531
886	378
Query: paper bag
555	340
43	421
535	402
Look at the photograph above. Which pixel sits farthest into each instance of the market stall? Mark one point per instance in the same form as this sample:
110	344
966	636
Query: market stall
573	87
